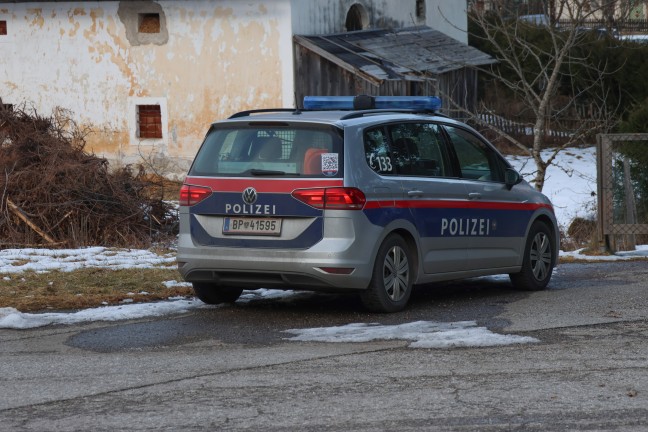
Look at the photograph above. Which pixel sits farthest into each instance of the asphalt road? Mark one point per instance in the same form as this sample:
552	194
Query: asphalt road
232	368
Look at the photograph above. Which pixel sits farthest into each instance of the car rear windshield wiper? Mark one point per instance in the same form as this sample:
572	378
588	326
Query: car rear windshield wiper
262	172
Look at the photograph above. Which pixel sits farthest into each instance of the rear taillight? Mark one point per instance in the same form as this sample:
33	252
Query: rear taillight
192	195
332	198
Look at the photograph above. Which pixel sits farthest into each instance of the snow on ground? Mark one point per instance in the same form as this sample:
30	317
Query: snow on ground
640	252
13	319
42	260
570	185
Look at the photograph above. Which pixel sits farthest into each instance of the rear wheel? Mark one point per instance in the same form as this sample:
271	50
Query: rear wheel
213	294
538	261
391	283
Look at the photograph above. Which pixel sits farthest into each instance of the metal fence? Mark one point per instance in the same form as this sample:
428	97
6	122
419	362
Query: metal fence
622	167
626	26
577	120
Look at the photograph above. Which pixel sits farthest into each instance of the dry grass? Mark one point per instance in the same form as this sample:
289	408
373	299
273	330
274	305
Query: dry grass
30	291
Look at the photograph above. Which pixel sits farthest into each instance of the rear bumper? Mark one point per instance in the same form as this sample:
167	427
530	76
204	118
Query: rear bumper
347	240
272	268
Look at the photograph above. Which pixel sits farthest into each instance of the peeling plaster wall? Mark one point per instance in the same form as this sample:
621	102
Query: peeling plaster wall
312	17
220	57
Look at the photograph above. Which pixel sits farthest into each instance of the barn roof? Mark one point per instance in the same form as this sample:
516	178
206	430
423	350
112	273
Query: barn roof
395	54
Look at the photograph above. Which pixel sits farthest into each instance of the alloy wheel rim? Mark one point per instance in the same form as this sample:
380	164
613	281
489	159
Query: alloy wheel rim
541	256
396	273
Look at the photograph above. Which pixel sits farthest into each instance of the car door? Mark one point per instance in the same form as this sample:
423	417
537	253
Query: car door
495	218
431	194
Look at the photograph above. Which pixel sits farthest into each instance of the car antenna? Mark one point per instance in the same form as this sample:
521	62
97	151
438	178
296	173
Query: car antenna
297	109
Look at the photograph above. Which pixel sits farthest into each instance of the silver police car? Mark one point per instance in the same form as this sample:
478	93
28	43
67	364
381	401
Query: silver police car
368	194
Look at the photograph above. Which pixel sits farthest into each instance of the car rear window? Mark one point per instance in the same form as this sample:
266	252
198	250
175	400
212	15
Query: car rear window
266	149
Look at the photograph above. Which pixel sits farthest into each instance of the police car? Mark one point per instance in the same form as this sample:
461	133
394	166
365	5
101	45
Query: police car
370	195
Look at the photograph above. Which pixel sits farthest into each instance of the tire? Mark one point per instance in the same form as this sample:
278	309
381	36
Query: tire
538	261
214	294
391	282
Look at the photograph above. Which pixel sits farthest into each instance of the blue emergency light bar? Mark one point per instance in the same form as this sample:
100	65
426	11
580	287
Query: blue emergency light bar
415	103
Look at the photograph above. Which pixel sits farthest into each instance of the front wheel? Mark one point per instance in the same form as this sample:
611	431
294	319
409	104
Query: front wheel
213	294
391	282
538	261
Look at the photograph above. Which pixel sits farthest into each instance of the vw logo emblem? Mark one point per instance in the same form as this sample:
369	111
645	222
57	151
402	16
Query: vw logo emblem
249	195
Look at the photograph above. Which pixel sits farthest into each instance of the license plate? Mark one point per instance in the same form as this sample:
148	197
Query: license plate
252	226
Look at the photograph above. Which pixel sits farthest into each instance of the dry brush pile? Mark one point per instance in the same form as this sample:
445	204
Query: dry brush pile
53	193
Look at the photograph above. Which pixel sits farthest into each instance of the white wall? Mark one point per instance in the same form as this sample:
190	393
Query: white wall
312	17
449	17
220	57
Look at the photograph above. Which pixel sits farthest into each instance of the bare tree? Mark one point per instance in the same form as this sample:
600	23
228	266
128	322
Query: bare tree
534	74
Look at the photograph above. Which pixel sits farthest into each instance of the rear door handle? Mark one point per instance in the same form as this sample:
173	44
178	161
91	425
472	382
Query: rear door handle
415	192
474	196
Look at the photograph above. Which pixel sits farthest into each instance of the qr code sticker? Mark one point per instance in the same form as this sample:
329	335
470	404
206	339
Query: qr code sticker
329	164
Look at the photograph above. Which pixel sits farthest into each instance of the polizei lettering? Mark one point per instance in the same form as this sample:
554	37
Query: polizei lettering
251	209
473	227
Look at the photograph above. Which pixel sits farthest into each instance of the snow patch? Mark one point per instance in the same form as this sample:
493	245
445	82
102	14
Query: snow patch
66	260
11	318
423	334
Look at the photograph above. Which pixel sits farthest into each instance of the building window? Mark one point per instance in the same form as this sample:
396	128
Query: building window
149	121
144	22
3	28
148	23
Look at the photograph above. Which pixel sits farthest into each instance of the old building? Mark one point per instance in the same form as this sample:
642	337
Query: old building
147	77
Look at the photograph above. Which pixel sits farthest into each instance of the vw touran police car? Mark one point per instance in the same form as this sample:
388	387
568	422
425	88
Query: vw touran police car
370	195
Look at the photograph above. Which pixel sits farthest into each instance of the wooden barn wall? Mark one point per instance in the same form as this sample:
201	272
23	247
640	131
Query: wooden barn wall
315	75
460	86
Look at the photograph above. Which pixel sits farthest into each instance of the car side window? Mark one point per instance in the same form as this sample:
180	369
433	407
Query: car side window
417	149
377	152
476	160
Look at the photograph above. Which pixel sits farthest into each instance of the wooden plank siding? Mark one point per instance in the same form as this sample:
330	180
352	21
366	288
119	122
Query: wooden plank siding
419	62
316	75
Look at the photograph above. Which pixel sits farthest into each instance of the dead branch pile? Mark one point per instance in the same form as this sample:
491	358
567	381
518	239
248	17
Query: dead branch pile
54	193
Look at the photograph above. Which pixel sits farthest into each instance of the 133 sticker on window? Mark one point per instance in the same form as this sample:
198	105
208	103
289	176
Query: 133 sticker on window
380	163
330	164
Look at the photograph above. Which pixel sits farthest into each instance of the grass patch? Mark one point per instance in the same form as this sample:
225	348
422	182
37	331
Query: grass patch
30	291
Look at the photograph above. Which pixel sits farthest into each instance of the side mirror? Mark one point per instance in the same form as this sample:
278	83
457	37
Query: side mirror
511	178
